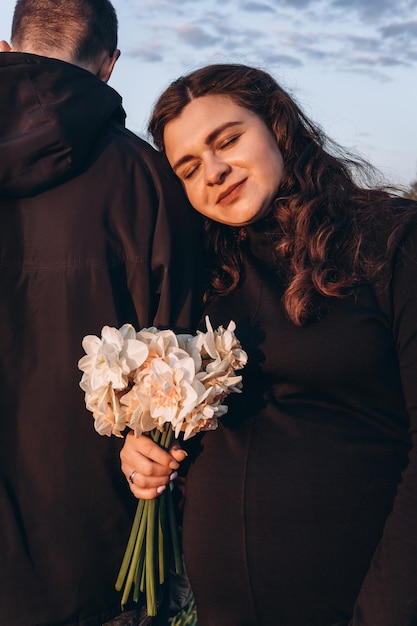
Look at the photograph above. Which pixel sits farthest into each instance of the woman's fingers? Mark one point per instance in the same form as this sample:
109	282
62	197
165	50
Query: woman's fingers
149	449
149	487
178	453
147	467
146	456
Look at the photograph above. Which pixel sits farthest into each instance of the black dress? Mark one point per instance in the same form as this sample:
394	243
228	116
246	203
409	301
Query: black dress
291	515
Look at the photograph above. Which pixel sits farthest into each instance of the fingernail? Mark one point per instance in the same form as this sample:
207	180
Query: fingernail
161	489
173	476
179	449
174	465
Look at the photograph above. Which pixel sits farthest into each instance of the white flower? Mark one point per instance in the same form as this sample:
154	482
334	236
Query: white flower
135	411
159	341
192	344
107	366
153	377
222	346
110	360
105	407
164	392
204	417
173	393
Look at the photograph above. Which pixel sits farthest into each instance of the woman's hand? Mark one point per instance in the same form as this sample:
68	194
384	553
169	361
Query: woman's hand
147	467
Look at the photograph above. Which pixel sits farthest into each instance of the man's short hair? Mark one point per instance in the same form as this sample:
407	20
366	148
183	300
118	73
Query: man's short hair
82	28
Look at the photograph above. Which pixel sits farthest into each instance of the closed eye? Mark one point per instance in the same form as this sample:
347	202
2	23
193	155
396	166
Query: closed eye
230	141
189	172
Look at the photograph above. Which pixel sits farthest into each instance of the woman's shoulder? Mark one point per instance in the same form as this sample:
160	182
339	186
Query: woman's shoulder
391	222
398	242
403	227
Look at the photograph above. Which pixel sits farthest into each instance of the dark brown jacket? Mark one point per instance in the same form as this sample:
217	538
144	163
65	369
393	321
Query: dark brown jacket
94	230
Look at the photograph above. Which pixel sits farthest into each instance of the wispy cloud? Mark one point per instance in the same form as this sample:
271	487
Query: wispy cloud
147	53
257	7
369	9
362	35
281	60
195	36
405	30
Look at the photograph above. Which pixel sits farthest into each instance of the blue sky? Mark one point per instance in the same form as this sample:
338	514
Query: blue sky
350	64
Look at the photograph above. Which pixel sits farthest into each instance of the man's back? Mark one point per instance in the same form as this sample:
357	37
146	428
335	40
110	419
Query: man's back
93	230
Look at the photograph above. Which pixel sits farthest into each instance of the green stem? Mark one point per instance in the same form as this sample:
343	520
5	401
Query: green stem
140	572
150	559
167	436
154	526
130	545
156	435
135	557
162	519
173	527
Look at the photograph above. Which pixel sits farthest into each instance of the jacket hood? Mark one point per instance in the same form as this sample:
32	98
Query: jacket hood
51	115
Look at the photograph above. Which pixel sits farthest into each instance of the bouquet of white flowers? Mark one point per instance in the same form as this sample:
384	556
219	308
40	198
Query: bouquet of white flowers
154	381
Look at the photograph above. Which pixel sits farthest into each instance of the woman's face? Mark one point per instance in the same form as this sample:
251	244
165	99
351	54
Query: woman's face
227	159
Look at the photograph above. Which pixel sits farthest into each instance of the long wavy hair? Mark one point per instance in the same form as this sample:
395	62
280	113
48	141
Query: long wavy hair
328	209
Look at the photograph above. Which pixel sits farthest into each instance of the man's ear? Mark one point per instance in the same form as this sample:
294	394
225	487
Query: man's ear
107	65
4	46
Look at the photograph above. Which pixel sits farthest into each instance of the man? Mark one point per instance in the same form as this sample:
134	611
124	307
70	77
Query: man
94	230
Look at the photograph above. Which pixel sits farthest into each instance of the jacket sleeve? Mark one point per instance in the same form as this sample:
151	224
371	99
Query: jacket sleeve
177	257
389	592
162	243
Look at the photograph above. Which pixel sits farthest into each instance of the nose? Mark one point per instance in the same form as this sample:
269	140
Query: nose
216	170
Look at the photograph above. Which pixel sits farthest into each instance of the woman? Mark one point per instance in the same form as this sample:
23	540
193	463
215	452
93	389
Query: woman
301	508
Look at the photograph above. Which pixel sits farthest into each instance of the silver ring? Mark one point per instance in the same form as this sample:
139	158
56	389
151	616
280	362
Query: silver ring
132	475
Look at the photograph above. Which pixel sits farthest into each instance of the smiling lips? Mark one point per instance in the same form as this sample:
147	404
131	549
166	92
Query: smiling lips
230	194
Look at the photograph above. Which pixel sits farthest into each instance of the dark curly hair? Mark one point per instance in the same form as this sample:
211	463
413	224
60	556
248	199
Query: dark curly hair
328	208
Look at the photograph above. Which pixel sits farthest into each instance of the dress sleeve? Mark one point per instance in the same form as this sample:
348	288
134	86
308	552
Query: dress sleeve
389	592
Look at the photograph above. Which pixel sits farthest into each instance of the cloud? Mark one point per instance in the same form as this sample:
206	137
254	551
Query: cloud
366	43
281	59
401	29
370	9
384	61
412	56
149	52
299	3
257	7
373	11
368	72
195	36
389	61
334	34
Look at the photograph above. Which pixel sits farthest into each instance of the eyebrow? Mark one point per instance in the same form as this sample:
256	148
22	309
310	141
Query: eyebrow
210	138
